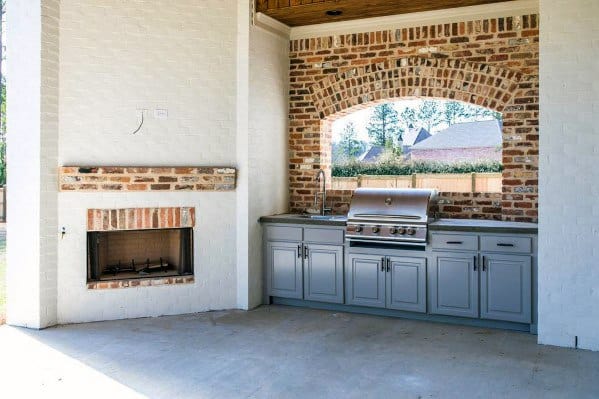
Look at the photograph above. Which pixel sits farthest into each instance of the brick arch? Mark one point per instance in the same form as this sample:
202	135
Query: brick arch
489	86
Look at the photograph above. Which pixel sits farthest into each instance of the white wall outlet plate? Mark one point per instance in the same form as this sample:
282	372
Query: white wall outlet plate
161	114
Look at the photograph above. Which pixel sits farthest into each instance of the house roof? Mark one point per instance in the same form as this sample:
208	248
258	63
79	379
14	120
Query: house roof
373	154
464	135
414	136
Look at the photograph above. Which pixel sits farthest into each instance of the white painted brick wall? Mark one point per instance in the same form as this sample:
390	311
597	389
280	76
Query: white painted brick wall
268	142
569	176
116	56
32	131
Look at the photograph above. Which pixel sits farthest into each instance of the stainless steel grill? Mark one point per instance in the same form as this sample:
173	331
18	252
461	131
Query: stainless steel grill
389	215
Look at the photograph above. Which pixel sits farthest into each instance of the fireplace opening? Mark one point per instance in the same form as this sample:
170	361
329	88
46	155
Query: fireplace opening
139	254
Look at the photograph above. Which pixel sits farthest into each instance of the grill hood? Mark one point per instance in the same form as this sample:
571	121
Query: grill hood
381	204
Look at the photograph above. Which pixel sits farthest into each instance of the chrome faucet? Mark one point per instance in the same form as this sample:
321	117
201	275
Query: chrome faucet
321	177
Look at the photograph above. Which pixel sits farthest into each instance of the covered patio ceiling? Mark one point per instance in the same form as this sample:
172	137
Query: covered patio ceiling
308	12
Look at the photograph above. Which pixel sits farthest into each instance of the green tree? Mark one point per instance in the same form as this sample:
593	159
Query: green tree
408	120
429	114
349	145
2	100
458	112
384	127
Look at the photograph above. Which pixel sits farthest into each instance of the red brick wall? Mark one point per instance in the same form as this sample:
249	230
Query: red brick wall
493	63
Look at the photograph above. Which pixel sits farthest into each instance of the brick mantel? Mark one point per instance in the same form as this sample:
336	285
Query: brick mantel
119	178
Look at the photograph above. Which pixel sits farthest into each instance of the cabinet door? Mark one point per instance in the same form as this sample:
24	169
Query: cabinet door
454	285
323	273
506	288
365	280
406	284
284	262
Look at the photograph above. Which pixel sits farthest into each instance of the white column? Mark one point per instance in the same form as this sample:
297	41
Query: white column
32	133
568	174
243	42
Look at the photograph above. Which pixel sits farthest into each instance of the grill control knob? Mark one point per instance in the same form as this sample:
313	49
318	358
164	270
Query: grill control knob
376	229
393	230
359	229
401	230
411	231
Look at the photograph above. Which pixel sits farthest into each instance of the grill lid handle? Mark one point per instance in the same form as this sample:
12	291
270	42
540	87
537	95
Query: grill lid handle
378	216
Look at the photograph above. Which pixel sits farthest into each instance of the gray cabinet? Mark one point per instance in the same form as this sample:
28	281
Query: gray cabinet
506	287
386	281
284	269
298	266
454	284
406	284
365	280
323	273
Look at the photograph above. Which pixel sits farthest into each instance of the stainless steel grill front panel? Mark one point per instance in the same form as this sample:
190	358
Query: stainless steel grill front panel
389	215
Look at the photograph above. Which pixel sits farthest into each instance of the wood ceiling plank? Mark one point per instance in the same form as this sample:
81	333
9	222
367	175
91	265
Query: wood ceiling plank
308	12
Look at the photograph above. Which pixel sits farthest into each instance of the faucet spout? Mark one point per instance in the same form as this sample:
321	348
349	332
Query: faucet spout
321	177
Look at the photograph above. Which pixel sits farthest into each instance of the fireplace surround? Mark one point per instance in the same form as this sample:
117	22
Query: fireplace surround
133	247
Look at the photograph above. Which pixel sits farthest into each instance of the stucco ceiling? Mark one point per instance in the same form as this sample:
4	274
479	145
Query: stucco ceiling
308	12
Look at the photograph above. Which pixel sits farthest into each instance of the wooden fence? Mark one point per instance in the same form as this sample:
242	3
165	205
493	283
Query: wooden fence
463	183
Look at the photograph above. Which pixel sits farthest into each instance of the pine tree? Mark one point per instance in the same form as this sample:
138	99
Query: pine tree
383	127
458	112
349	145
429	114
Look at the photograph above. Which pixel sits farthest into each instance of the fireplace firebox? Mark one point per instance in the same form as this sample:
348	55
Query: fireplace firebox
139	254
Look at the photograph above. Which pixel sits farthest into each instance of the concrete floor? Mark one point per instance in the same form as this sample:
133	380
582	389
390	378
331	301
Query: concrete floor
284	352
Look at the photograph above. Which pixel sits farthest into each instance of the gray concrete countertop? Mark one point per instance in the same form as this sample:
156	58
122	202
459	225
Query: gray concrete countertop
492	226
337	220
438	225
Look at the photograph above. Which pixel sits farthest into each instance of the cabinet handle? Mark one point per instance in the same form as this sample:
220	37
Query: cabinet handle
388	265
455	242
484	267
305	252
383	264
474	262
299	251
501	244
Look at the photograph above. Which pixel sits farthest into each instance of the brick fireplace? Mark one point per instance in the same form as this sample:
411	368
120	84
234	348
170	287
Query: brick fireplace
139	247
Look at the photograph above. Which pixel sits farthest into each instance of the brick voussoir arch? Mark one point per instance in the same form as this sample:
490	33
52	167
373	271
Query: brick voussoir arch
482	84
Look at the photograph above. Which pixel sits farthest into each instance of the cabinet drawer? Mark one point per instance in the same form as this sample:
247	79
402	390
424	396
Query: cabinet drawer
511	244
283	233
462	242
323	236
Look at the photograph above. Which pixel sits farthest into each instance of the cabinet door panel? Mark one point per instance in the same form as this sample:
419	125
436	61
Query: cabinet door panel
284	269
323	274
365	281
406	284
506	288
454	285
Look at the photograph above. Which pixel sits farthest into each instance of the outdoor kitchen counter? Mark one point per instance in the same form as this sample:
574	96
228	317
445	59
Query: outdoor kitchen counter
289	218
489	226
